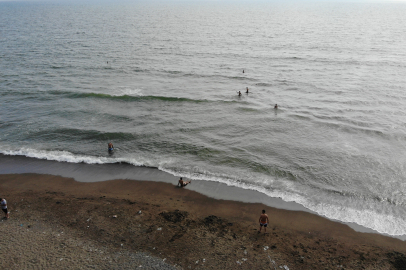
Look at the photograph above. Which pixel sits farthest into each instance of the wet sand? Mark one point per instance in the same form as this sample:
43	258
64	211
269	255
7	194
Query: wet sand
57	222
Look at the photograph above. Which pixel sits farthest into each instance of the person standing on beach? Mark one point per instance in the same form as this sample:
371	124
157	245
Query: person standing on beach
3	204
182	183
263	221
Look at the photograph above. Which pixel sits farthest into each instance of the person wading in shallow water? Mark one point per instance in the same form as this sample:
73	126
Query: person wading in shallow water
110	146
182	183
263	221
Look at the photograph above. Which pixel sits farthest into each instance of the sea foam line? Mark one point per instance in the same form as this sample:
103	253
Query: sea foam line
385	224
66	156
382	223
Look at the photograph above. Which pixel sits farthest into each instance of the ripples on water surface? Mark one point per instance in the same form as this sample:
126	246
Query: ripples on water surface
160	81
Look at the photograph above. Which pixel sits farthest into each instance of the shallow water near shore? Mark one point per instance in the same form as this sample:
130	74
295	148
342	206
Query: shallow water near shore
102	172
160	80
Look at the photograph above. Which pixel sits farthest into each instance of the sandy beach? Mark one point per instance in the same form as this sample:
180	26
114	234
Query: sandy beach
58	223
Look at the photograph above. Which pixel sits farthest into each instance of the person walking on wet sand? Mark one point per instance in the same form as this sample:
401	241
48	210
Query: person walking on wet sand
3	204
263	221
182	183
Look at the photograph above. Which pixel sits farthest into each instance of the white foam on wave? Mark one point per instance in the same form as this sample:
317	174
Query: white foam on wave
381	222
66	156
126	91
236	182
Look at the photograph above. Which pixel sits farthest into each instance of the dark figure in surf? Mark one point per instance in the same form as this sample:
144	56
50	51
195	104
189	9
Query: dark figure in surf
276	106
239	93
182	183
110	147
246	91
242	71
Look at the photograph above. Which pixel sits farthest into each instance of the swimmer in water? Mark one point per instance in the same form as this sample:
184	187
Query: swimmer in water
239	93
110	146
276	106
246	91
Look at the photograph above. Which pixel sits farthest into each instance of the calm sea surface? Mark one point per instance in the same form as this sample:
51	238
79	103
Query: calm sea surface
160	81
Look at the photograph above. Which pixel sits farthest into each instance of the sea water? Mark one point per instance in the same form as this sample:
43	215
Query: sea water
160	80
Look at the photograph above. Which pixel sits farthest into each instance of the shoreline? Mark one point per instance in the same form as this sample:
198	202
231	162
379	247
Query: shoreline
165	221
83	172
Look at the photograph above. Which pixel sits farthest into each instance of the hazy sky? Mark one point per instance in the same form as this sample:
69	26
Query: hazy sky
230	1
